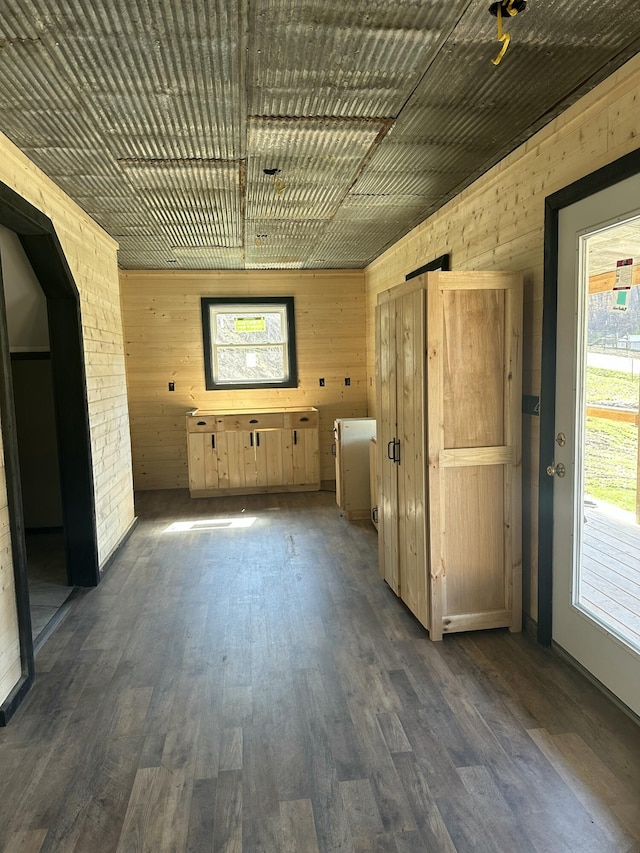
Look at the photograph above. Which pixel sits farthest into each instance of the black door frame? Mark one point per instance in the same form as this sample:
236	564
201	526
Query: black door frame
46	256
602	179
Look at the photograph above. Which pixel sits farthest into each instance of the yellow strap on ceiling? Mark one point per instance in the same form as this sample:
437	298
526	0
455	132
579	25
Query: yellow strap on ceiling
505	38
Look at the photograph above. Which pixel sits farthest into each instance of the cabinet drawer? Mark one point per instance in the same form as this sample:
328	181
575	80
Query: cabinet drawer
204	423
251	421
301	420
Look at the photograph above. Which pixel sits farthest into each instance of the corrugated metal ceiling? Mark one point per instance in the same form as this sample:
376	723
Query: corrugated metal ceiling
159	117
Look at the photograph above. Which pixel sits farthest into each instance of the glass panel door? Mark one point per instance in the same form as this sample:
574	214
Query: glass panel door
596	539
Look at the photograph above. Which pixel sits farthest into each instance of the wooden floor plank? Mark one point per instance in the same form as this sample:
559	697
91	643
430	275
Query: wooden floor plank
261	689
227	820
593	784
26	841
298	830
201	816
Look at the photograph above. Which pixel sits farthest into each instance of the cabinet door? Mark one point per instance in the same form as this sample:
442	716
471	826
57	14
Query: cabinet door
474	399
411	453
287	457
305	457
212	470
235	460
386	438
216	460
273	450
197	449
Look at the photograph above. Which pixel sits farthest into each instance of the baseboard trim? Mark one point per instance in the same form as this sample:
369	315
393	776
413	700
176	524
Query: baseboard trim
15	699
531	627
60	615
569	659
113	556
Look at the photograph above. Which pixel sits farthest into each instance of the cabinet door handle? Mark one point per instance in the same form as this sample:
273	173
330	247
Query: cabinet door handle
391	450
213	442
374	514
333	449
396	456
251	438
258	439
202	423
295	436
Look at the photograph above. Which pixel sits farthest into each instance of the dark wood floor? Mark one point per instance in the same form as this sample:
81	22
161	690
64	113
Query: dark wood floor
258	688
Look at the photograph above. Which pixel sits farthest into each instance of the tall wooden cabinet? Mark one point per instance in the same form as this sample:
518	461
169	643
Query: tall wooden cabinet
448	351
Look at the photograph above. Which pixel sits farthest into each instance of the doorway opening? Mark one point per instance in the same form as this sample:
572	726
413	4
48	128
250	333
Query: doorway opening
43	250
47	573
37	436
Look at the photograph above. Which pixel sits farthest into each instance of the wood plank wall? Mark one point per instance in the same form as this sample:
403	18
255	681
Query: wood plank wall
498	223
91	255
163	343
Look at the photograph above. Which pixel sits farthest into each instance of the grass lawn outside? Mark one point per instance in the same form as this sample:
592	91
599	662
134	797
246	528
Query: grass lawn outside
611	447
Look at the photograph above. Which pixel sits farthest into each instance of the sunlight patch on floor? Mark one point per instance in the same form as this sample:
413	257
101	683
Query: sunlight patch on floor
210	524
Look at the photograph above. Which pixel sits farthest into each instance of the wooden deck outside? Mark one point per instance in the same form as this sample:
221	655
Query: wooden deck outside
611	573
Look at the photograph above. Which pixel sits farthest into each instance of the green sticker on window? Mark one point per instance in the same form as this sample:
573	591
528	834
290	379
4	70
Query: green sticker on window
249	324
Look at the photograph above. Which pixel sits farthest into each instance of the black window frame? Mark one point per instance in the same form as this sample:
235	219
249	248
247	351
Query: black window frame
262	301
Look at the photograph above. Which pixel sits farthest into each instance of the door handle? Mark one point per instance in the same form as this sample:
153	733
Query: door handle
333	449
559	470
393	450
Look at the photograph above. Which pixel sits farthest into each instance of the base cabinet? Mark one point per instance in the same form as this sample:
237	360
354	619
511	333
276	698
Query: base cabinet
353	492
253	452
448	351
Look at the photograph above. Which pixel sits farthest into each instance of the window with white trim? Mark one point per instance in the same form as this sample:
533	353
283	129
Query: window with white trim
249	342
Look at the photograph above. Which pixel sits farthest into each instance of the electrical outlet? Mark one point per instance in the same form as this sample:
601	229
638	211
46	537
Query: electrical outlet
321	382
347	380
172	386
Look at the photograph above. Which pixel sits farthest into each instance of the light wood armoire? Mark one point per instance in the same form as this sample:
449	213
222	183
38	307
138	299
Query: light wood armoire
449	397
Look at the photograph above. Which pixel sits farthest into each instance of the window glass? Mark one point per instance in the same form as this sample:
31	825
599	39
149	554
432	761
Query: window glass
249	343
